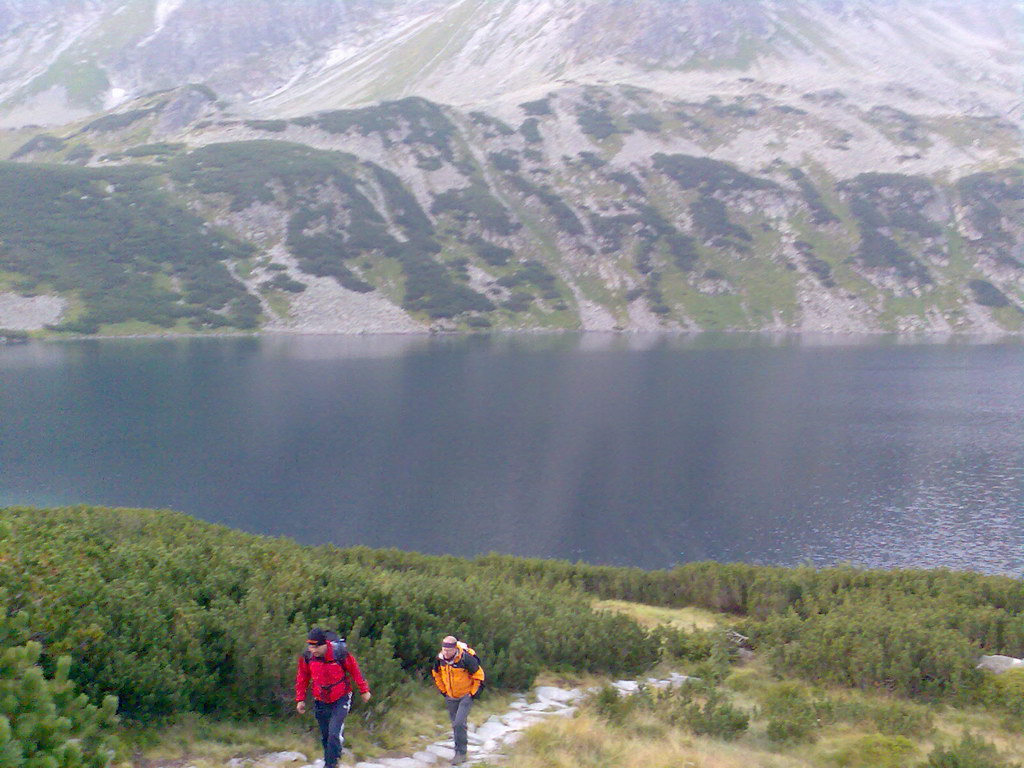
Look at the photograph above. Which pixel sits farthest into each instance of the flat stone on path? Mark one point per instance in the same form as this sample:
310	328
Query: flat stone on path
557	695
282	758
445	753
401	762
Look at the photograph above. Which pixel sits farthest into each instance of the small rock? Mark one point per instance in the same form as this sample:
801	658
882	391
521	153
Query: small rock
443	752
492	729
282	758
999	664
567	712
559	695
426	757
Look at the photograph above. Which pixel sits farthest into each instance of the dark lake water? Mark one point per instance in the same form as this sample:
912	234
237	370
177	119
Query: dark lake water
639	450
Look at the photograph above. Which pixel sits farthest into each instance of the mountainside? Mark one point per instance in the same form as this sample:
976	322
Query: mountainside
762	177
61	59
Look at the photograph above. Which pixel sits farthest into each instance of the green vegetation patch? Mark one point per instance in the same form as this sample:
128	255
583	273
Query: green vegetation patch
475	203
538	108
992	200
821	214
250	171
565	218
987	294
42	143
229	612
116	122
884	202
709	175
426	123
112	236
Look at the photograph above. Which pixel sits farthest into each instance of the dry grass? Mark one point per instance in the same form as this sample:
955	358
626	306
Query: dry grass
653	616
646	739
587	742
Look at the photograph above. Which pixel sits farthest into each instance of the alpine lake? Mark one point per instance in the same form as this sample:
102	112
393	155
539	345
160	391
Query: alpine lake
643	450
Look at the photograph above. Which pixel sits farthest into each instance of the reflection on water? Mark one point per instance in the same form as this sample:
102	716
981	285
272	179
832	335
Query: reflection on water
632	449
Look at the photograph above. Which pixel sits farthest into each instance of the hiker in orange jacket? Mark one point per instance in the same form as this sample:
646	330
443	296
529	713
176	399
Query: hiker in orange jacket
458	675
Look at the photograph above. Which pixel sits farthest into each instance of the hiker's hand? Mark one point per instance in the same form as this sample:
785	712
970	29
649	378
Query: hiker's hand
300	707
366	697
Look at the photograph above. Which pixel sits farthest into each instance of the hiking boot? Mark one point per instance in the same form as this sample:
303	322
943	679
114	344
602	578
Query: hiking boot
459	759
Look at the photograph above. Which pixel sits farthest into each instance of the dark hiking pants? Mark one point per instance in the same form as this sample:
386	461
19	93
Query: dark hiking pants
331	719
458	711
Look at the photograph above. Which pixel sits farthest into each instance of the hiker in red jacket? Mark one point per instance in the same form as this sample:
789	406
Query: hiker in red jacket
329	665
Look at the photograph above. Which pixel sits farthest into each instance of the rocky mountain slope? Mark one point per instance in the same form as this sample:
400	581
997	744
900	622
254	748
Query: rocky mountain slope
594	165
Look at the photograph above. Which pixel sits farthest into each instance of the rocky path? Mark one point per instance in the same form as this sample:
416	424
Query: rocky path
488	741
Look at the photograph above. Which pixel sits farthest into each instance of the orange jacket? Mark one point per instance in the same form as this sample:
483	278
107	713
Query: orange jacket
460	676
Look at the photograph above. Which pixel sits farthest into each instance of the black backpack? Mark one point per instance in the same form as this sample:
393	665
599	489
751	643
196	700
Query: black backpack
340	651
472	652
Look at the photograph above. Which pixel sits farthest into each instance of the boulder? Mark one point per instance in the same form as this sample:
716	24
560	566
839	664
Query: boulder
999	664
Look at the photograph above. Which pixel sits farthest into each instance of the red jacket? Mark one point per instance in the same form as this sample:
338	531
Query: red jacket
330	681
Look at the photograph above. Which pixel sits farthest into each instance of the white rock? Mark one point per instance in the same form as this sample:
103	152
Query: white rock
282	758
999	664
426	757
560	695
401	762
445	753
492	729
567	712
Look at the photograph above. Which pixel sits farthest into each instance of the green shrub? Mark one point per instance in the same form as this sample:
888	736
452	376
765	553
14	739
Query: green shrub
987	294
530	131
504	161
116	122
153	150
537	108
43	721
707	713
900	718
646	122
113	235
791	729
272	126
495	255
41	143
794	715
1006	692
228	611
876	751
477	203
282	282
596	123
709	175
682	644
970	752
